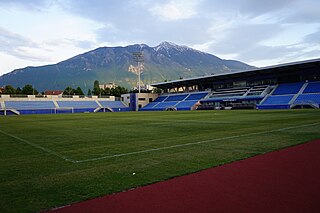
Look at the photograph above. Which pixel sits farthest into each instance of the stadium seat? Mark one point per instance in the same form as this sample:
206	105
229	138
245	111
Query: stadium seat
165	105
180	102
313	87
284	89
18	105
113	104
176	97
77	104
196	96
186	105
308	98
278	100
160	98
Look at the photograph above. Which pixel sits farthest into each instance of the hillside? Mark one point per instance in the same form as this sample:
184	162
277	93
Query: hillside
166	61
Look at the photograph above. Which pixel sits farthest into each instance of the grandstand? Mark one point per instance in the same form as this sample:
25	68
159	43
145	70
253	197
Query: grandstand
185	101
294	95
113	105
23	105
28	107
57	105
286	86
243	97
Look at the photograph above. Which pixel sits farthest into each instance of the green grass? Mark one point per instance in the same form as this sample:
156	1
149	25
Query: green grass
104	149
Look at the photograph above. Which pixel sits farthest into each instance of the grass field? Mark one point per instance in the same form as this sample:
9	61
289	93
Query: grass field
48	161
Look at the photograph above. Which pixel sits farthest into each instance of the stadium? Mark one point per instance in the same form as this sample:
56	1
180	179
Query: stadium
287	86
59	151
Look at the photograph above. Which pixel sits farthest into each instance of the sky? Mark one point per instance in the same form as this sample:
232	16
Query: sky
260	33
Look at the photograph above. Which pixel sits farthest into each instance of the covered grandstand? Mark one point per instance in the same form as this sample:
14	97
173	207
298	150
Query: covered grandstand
285	86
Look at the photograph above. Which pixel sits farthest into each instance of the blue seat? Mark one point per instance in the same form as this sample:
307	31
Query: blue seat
185	105
30	104
150	105
77	104
164	105
113	104
196	96
176	97
313	87
160	98
179	101
308	98
278	100
284	89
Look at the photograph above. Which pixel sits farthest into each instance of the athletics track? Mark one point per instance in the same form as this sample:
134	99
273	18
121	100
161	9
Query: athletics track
282	181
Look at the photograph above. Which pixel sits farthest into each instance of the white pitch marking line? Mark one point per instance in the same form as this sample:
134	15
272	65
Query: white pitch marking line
39	147
192	143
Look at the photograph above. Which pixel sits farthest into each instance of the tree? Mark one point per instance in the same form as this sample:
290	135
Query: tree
18	91
8	89
96	89
134	91
68	91
89	92
107	91
117	91
79	91
29	90
157	90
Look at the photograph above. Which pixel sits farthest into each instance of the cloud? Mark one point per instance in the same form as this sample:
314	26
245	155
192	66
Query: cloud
303	12
313	38
262	52
241	38
152	34
248	43
248	8
30	4
111	11
18	46
257	8
9	39
60	43
175	10
84	44
128	22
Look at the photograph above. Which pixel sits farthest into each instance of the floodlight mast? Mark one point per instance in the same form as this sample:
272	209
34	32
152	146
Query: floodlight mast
138	57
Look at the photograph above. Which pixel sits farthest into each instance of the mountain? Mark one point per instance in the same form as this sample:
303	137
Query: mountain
166	61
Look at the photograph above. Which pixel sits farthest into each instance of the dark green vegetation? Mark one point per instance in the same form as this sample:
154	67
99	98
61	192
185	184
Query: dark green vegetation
116	91
26	90
167	61
35	175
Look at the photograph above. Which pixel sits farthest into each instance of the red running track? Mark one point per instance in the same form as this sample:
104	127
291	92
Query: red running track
282	181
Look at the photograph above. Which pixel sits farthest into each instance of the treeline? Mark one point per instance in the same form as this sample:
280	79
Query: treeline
96	90
26	90
71	91
115	91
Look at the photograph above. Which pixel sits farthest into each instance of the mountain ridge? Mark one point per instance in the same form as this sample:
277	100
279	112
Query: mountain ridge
166	61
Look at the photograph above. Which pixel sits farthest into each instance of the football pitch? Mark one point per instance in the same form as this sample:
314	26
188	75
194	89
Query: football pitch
49	161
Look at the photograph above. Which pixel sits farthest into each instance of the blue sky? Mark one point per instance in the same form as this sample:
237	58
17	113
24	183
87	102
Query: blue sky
260	33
